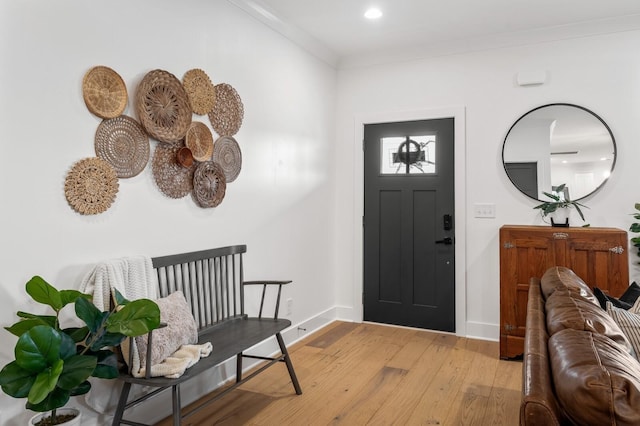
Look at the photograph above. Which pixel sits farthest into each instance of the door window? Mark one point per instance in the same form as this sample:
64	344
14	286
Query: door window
408	155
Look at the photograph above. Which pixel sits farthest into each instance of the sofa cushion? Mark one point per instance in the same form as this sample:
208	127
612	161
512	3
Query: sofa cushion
562	278
597	382
629	323
568	310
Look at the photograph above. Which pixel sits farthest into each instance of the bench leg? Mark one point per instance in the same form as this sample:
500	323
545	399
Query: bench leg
122	402
175	400
287	360
239	368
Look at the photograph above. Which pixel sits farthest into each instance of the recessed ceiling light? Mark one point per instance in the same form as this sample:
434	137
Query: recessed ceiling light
373	13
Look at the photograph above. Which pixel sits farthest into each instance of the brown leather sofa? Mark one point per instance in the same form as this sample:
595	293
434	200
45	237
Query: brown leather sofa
578	366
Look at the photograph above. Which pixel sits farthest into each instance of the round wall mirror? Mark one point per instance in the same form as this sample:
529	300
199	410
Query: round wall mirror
559	144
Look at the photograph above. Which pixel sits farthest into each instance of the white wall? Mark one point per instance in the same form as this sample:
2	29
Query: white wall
600	73
280	205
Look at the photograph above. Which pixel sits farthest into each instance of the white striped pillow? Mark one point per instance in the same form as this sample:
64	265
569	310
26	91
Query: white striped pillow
629	323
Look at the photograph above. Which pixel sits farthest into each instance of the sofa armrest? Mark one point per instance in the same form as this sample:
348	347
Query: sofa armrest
539	405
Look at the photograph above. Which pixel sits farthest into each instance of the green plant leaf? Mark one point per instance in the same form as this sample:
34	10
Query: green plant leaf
21	327
577	206
38	348
77	369
135	319
77	334
107	367
81	389
70	296
45	382
91	315
107	339
56	399
43	292
67	347
16	381
635	227
120	299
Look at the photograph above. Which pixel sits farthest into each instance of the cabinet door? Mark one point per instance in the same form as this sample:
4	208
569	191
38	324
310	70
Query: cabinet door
600	258
523	255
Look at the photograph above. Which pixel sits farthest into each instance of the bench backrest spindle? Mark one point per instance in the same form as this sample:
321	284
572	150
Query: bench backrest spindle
211	281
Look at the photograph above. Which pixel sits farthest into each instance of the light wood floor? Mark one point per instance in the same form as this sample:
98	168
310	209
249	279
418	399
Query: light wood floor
367	374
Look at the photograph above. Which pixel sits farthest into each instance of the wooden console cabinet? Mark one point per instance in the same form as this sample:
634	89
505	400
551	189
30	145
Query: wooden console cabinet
597	255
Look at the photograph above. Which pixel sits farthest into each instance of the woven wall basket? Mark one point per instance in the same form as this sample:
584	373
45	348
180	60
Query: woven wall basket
123	143
162	106
172	178
200	141
91	186
226	152
104	92
209	184
200	90
228	111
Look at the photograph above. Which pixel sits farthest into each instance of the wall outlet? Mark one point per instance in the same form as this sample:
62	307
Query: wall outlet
289	306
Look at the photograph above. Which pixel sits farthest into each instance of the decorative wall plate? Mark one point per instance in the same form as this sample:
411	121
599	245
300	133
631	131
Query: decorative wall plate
91	186
173	179
162	106
123	143
104	92
209	184
200	90
226	152
228	111
200	141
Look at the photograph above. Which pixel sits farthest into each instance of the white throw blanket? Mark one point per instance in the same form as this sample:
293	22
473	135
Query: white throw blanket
134	278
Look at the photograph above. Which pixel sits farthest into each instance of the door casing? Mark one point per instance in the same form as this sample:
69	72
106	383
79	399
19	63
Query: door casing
458	113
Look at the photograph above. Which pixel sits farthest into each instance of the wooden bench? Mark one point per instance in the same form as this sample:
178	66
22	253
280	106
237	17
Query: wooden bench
213	284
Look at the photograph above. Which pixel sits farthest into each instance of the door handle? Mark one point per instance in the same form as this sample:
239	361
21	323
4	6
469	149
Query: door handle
446	241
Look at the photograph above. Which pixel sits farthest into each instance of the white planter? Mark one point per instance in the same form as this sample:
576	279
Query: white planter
560	216
60	411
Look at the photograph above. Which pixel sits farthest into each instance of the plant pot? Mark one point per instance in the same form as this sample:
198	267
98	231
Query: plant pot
560	218
76	421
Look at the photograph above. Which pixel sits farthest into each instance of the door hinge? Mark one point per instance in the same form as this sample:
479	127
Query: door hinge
617	250
508	245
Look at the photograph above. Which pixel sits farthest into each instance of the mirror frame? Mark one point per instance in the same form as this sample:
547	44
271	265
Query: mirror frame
588	111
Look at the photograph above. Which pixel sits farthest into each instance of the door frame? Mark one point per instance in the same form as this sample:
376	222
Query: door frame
458	113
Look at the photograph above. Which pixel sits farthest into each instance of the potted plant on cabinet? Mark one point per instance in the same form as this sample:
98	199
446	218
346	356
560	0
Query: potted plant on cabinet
559	202
53	363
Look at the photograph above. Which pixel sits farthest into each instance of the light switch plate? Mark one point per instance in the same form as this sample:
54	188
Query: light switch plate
484	210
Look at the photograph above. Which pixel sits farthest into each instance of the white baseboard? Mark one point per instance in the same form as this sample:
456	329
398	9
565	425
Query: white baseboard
483	331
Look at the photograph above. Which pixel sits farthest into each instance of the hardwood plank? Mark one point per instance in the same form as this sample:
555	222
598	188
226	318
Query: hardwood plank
378	375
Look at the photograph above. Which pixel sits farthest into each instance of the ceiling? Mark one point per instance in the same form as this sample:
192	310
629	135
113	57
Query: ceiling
337	32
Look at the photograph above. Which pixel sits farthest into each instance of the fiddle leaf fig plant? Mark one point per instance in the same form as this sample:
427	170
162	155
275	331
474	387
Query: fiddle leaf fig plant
558	202
635	228
53	363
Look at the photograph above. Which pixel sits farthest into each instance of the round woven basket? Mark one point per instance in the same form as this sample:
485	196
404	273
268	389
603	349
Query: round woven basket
200	90
123	143
226	152
209	184
162	106
200	141
173	179
91	186
228	111
104	92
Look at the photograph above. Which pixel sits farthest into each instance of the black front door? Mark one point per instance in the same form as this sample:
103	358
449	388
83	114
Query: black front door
408	225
